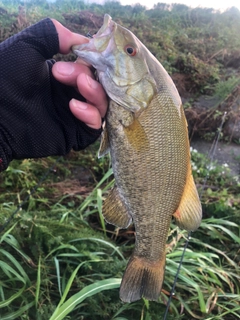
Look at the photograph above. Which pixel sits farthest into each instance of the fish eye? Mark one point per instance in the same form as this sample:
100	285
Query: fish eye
130	50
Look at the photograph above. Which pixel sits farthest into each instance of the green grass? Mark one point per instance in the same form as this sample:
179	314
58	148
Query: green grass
56	266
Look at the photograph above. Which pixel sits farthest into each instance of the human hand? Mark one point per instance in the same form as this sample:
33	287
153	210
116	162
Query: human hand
35	120
79	75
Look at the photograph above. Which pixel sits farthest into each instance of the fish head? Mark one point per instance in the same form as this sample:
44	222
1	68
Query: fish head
120	60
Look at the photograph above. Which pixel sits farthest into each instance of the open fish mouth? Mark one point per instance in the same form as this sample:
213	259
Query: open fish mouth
107	27
95	43
95	51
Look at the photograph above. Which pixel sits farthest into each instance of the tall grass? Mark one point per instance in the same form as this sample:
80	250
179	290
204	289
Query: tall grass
82	267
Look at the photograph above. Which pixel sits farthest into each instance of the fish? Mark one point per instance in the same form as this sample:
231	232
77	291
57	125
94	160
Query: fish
147	137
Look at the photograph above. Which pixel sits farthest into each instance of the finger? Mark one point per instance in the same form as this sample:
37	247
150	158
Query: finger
80	76
67	38
86	113
93	92
68	72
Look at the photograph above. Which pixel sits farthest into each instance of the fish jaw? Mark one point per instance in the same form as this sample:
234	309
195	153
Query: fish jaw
127	80
94	52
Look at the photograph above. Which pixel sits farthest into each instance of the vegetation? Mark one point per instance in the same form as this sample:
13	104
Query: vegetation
58	258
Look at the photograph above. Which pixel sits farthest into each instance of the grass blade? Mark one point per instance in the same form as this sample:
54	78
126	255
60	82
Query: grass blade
5	303
16	264
38	282
19	312
56	261
107	243
88	291
99	204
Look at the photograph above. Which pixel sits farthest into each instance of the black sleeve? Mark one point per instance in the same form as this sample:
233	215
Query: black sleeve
35	120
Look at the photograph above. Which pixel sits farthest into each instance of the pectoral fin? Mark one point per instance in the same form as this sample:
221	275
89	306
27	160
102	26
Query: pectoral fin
115	211
136	136
104	144
189	213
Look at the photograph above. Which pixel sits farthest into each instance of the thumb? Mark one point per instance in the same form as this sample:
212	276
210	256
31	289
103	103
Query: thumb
67	38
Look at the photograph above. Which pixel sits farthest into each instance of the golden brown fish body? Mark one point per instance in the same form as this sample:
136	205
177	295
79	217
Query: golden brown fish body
146	134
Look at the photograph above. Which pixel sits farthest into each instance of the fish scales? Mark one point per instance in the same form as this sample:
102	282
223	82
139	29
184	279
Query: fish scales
146	135
156	187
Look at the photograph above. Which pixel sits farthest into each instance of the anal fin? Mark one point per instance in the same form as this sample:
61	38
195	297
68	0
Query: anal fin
115	211
188	216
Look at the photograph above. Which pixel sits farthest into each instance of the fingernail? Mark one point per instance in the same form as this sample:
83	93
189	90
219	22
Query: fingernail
78	104
65	68
92	83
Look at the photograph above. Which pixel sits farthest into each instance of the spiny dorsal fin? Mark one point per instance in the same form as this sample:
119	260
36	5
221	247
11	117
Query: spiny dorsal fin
115	211
188	216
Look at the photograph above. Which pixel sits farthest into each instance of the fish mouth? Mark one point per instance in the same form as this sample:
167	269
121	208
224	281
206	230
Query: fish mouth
104	32
92	50
107	27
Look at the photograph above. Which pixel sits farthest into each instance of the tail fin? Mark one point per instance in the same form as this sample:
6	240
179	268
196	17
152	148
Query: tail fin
142	278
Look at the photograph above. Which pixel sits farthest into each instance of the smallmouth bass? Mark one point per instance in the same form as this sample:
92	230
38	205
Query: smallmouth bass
146	135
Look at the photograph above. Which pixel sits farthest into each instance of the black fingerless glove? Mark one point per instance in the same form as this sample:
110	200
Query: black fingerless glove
35	119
